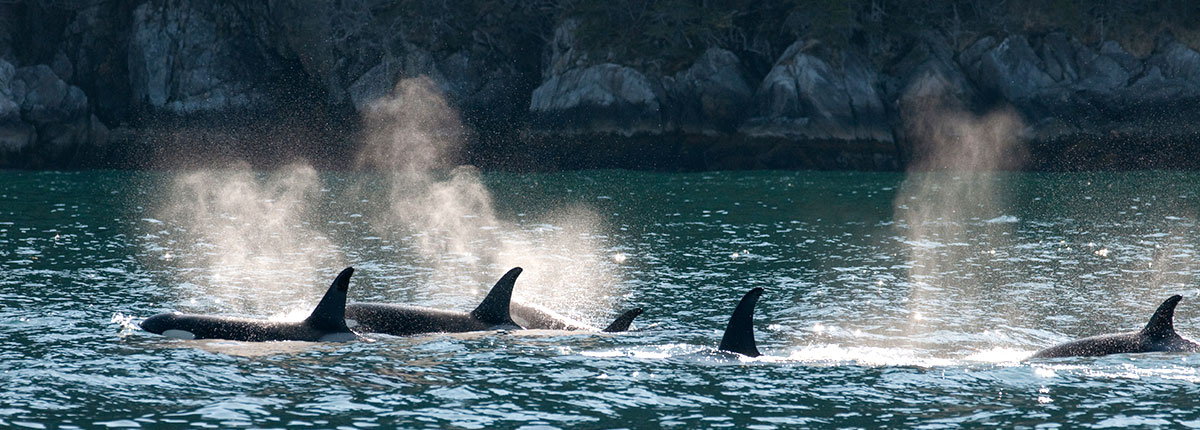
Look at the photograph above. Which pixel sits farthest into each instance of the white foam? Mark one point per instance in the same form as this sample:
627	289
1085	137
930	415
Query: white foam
1003	219
866	355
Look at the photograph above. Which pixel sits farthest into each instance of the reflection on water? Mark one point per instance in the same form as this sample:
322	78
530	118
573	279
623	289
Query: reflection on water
852	336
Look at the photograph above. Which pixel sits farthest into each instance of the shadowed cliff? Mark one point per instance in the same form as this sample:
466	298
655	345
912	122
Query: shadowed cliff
668	85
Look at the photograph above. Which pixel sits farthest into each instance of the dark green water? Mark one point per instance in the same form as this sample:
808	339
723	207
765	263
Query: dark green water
889	302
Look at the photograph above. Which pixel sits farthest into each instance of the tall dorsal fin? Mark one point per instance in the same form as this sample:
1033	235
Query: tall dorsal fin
330	314
1162	323
739	334
494	308
622	322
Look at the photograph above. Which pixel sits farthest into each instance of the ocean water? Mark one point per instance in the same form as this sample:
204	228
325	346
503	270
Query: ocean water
892	300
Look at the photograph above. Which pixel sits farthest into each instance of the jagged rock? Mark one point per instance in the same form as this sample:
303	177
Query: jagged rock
927	90
379	80
46	99
15	134
712	95
10	109
337	44
62	66
95	45
59	112
468	83
804	97
563	55
929	78
605	98
187	57
1172	72
42	118
1063	87
1009	67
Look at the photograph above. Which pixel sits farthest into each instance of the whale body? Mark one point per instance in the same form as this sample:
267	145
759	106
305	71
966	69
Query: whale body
400	320
536	317
1158	336
739	333
326	323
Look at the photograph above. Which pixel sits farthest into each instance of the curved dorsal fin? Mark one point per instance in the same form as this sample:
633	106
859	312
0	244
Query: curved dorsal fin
1162	322
330	313
739	334
494	308
622	322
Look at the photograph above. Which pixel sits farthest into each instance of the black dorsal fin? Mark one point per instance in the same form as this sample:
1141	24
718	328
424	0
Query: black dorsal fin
494	309
622	322
330	314
739	334
1162	323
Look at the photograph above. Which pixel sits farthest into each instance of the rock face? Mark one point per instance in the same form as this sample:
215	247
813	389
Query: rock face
43	120
187	57
16	135
354	49
803	97
145	66
1066	88
605	98
712	96
708	98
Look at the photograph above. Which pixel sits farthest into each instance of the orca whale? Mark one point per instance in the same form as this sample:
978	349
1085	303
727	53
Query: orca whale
326	323
739	334
399	320
536	317
1158	336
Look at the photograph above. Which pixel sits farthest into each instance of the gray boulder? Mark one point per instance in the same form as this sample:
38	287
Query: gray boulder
1063	87
15	134
59	112
10	109
1171	73
927	77
804	97
46	99
605	98
1009	67
461	77
43	120
712	96
927	87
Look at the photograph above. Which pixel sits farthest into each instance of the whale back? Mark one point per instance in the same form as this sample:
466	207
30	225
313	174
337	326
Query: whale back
495	307
739	334
1162	323
330	313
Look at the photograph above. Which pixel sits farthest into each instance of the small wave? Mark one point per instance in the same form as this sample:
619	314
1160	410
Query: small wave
1000	355
653	352
1003	219
867	356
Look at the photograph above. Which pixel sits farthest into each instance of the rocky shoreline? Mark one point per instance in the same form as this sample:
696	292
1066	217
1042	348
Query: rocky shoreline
152	84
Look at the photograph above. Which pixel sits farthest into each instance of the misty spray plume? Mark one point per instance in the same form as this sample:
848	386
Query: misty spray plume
954	206
246	235
416	138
